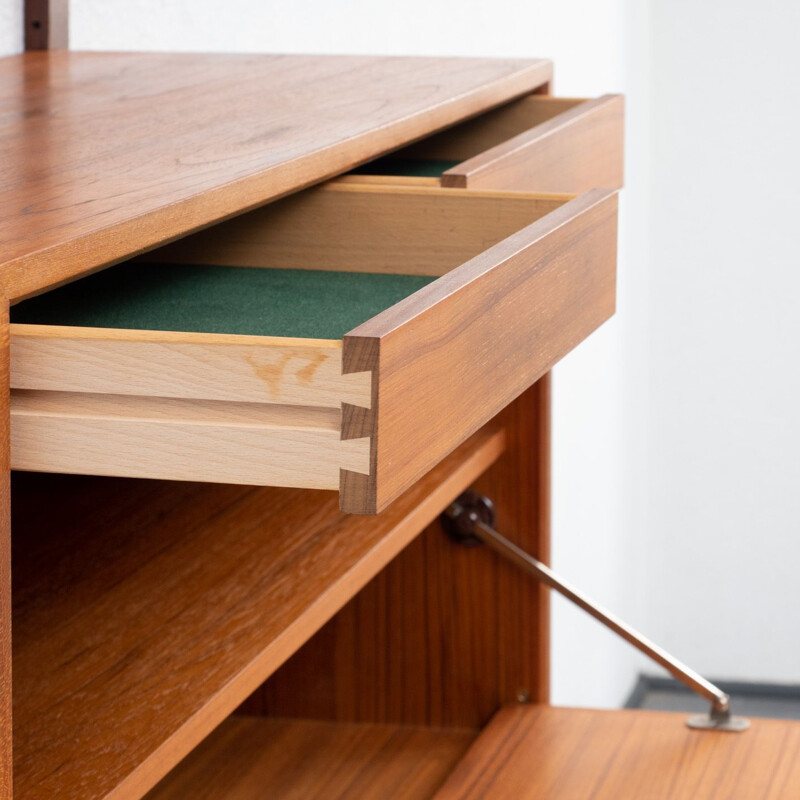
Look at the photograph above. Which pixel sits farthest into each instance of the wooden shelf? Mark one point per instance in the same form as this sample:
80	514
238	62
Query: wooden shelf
251	758
152	609
529	752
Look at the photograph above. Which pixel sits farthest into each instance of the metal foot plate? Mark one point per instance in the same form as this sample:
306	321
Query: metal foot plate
705	722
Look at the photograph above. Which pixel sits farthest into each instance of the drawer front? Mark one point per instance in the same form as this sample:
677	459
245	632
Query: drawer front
510	283
576	150
449	358
535	144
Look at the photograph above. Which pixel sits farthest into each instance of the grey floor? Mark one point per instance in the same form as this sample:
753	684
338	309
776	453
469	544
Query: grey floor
747	700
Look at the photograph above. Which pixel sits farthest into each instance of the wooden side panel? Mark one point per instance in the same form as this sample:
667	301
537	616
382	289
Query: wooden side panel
199	366
6	753
539	753
574	152
451	356
187	440
412	229
445	634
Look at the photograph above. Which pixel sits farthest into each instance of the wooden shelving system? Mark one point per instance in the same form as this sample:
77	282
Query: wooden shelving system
168	640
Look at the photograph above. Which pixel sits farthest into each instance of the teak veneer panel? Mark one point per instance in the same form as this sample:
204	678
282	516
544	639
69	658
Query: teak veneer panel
110	154
541	753
468	139
255	758
536	143
152	609
444	634
577	150
5	565
454	354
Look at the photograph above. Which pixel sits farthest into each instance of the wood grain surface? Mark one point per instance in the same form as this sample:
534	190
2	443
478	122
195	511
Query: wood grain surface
152	609
252	758
540	753
365	226
451	356
471	138
575	151
6	785
109	154
444	634
257	444
198	366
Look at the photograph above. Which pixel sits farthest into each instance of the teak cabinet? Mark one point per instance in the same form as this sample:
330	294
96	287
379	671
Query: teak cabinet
228	575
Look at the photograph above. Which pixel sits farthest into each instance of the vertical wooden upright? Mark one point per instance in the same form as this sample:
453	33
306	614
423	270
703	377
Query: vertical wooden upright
46	24
46	27
6	778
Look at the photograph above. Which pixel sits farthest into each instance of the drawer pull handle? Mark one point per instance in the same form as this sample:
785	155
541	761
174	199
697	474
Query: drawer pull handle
469	520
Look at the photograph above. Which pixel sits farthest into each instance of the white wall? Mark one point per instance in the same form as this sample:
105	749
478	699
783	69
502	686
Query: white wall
10	27
724	538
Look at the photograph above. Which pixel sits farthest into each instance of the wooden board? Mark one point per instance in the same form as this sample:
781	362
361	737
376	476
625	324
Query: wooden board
540	753
5	565
352	225
451	356
164	144
212	366
468	139
152	609
577	150
256	444
444	634
252	759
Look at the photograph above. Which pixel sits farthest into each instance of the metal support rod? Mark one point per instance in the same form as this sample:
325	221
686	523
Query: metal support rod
466	515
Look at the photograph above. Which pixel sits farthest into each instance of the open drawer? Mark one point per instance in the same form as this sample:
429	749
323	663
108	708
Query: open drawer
392	323
537	143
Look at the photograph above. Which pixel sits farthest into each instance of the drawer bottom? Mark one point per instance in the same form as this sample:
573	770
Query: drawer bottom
290	303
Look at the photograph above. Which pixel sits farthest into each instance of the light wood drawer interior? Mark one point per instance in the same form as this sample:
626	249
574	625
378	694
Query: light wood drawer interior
536	143
345	338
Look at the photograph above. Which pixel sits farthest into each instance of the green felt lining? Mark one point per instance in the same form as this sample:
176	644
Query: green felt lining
297	303
410	167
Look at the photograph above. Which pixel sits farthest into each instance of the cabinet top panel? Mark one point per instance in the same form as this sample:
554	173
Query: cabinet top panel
105	155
